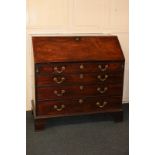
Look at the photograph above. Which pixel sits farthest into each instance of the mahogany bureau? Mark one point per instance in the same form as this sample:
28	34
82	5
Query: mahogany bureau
77	76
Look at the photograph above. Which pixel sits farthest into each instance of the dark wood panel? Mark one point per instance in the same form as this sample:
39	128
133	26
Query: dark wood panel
85	48
82	67
68	107
66	92
58	80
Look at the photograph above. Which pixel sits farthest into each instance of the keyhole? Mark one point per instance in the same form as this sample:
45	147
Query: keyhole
77	38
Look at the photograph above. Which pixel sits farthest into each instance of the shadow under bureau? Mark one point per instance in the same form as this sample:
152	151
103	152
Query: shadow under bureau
77	76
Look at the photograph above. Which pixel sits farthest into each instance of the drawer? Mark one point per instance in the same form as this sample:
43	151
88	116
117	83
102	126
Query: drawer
71	107
45	80
67	68
68	92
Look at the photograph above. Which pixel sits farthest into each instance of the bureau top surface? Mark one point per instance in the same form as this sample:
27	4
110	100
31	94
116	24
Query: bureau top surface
76	48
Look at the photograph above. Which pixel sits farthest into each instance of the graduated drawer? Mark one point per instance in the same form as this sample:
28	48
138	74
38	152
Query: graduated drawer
85	67
71	107
66	92
45	80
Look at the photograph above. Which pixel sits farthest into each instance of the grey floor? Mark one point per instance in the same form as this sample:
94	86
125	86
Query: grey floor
82	135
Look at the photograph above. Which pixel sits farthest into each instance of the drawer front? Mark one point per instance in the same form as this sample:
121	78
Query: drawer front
71	107
45	80
69	68
66	92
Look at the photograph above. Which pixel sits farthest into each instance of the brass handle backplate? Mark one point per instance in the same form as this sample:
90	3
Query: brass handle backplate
59	70
59	108
102	79
101	105
81	76
59	94
81	66
80	100
102	91
58	81
103	68
81	87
